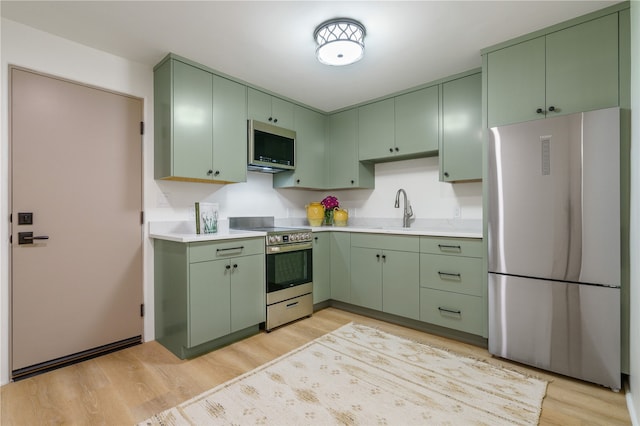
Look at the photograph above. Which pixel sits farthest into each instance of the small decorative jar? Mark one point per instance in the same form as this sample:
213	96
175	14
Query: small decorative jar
328	218
315	214
340	217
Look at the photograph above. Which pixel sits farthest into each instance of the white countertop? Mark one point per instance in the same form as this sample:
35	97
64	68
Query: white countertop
185	232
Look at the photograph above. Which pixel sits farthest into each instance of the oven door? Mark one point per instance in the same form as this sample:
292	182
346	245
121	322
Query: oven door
288	266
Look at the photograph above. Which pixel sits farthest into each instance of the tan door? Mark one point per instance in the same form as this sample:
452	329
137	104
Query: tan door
76	161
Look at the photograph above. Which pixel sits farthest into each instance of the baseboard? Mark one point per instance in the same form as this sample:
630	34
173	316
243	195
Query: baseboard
632	410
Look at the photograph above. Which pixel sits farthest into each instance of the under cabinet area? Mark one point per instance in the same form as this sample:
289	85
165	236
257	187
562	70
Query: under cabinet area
451	283
565	71
208	294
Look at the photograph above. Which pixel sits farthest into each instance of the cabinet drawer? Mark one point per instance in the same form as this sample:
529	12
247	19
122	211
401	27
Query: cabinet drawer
204	251
451	273
452	310
470	247
386	242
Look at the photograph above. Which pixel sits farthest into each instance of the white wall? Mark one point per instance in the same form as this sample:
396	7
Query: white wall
165	200
634	303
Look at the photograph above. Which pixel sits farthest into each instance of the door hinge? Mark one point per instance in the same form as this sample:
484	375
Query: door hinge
11	218
10	239
142	127
142	218
142	309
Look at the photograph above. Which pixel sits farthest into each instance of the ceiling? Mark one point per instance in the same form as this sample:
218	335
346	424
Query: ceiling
269	44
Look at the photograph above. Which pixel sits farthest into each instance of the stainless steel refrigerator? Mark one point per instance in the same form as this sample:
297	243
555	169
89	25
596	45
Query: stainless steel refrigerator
554	244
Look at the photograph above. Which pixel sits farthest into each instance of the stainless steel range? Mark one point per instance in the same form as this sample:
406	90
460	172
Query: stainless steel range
289	269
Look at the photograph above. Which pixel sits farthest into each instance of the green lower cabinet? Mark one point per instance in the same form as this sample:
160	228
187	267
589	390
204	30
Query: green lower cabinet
208	294
451	273
366	277
341	266
452	289
452	310
385	273
400	288
321	267
223	297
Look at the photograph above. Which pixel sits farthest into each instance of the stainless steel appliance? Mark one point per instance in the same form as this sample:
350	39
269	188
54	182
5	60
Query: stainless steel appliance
271	149
554	244
289	270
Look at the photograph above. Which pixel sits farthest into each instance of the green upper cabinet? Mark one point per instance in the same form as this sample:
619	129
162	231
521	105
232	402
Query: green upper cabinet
199	124
310	152
516	83
405	126
565	71
417	122
229	131
376	130
270	109
342	166
461	141
582	66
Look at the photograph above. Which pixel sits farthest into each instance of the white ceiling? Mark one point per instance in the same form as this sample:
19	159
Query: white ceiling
270	44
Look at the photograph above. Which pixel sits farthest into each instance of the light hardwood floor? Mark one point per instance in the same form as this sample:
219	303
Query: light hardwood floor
129	386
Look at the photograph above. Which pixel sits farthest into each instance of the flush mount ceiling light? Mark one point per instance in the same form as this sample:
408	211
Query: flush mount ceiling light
340	41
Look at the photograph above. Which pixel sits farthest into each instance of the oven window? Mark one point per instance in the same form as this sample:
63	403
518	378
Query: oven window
286	270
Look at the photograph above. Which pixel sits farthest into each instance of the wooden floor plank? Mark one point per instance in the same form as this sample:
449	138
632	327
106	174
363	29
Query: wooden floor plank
129	386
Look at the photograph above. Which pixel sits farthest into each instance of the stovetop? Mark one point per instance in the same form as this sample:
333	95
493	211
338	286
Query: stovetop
276	235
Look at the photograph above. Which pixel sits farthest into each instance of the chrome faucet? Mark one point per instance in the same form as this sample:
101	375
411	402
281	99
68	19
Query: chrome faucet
408	211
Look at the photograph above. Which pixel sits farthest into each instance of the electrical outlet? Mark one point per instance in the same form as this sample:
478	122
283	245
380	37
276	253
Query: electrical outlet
457	212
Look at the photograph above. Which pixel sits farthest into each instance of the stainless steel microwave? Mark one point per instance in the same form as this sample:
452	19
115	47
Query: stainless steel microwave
271	149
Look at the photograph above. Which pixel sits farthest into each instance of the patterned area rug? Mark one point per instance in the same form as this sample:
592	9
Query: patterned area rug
358	375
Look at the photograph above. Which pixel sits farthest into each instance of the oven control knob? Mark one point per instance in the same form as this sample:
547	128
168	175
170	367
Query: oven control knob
294	237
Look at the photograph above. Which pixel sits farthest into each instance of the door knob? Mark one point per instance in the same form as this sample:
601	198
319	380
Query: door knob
27	237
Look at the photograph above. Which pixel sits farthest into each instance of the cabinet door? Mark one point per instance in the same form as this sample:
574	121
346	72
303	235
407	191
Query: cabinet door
401	283
461	150
341	266
516	83
259	106
209	295
192	121
248	305
376	130
229	131
582	66
321	267
269	109
283	113
344	169
417	121
366	277
310	152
